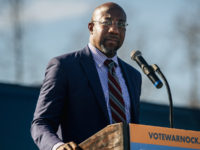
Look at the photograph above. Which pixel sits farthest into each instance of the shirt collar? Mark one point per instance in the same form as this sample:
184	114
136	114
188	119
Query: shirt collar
99	57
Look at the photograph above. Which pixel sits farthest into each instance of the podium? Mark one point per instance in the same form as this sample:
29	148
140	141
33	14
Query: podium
142	137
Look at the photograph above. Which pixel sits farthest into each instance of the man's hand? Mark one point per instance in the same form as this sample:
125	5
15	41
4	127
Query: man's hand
69	146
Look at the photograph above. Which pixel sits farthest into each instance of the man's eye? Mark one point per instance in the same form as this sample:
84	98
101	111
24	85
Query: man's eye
121	24
107	23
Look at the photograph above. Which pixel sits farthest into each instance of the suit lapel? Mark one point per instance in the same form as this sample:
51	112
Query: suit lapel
130	85
90	70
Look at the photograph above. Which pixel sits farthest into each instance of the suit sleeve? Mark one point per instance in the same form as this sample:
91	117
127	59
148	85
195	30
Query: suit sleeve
49	106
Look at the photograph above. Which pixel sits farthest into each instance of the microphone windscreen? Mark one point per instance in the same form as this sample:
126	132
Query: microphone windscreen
135	53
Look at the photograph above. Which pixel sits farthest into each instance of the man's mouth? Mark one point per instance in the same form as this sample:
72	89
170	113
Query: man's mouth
112	39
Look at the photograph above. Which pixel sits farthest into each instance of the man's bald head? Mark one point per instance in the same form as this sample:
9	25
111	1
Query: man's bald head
107	28
110	6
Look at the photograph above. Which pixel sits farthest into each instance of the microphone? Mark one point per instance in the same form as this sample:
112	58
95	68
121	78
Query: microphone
148	70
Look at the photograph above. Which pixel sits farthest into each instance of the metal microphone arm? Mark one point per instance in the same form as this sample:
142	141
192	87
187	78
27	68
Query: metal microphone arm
157	69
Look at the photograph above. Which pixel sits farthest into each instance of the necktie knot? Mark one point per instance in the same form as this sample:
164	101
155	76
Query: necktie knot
110	63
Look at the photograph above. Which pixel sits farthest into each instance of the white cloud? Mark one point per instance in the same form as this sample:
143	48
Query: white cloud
45	11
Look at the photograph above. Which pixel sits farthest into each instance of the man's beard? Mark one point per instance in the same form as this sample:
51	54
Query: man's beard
111	51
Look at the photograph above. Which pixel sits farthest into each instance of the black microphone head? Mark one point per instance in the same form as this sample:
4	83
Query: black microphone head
135	53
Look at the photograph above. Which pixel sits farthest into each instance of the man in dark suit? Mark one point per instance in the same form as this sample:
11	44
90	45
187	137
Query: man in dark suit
74	101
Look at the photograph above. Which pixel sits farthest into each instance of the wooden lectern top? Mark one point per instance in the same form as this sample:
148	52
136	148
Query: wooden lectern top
112	137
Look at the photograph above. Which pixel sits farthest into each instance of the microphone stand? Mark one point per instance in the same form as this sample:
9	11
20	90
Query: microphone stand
157	69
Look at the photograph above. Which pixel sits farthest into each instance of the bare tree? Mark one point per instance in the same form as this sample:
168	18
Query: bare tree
188	27
16	7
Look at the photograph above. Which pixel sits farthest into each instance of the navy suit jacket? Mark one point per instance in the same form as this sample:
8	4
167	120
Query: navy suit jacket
71	105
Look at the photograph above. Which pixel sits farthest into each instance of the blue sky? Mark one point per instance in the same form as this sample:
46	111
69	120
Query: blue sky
52	28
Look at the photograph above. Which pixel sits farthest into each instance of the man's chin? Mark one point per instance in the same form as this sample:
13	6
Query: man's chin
111	47
109	51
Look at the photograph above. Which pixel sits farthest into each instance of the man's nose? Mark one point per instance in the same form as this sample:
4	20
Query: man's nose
114	29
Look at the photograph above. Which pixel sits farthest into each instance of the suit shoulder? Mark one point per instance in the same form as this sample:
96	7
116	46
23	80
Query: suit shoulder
130	68
67	58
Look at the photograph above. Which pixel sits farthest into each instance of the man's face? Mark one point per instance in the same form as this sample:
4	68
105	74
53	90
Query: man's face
108	38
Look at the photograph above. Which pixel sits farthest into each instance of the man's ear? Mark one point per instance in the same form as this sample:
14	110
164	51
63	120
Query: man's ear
90	27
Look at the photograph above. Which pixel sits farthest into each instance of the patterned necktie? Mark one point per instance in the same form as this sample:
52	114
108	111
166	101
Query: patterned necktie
115	94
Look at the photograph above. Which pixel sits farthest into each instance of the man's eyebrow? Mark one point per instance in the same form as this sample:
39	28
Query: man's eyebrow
122	20
110	18
107	18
